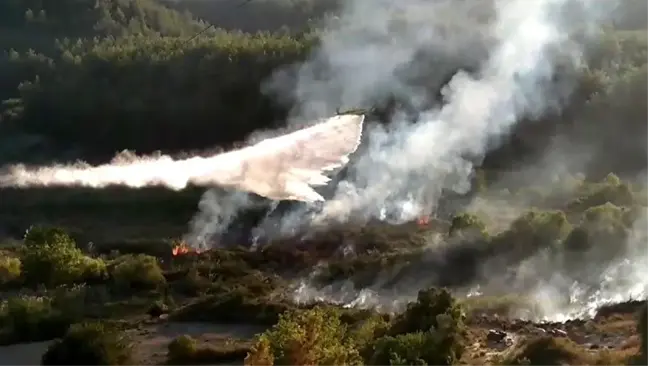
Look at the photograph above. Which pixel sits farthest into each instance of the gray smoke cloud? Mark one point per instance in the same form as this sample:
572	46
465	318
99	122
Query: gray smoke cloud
548	293
379	48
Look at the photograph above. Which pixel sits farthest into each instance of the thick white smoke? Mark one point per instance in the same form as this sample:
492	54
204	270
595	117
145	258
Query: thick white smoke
374	50
371	51
555	300
280	168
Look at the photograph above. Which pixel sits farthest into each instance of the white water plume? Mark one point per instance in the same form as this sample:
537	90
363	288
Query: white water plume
280	168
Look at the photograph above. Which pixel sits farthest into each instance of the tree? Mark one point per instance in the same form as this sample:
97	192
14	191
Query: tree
50	256
306	337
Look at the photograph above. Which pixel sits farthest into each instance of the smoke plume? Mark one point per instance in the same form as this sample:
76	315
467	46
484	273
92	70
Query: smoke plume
377	49
529	54
280	168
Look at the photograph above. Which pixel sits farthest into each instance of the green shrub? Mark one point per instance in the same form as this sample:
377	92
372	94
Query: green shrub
438	319
181	349
609	190
306	337
260	354
600	236
468	226
365	333
420	348
89	344
192	284
184	350
50	256
466	223
9	270
139	271
547	351
31	318
531	232
234	306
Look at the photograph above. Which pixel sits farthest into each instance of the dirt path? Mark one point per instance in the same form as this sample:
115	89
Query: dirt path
23	354
150	341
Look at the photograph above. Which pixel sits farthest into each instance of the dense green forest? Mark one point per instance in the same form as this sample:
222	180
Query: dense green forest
89	78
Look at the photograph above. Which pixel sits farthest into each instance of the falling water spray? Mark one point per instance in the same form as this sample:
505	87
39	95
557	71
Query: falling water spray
280	168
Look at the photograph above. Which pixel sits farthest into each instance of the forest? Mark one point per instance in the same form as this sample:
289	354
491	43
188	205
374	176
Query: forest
102	276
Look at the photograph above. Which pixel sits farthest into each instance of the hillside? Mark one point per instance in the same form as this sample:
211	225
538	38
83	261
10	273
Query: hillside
36	25
259	15
494	213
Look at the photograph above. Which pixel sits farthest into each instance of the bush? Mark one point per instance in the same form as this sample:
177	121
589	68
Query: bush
235	306
9	270
531	232
609	190
260	354
547	351
89	344
438	319
184	350
420	348
51	257
31	319
600	236
468	226
192	284
306	337
139	271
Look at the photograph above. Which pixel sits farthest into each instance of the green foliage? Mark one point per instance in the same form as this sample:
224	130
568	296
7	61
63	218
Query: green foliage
468	226
139	271
434	321
181	348
89	344
420	348
601	235
36	318
9	270
531	232
430	331
364	334
547	351
307	337
610	190
184	350
51	257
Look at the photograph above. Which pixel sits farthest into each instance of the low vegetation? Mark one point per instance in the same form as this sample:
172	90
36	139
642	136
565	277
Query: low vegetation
72	284
89	344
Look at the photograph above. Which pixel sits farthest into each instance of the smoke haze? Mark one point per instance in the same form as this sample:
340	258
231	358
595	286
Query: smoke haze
374	49
529	54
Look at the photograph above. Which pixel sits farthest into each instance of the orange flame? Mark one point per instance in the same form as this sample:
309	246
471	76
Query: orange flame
423	220
180	249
